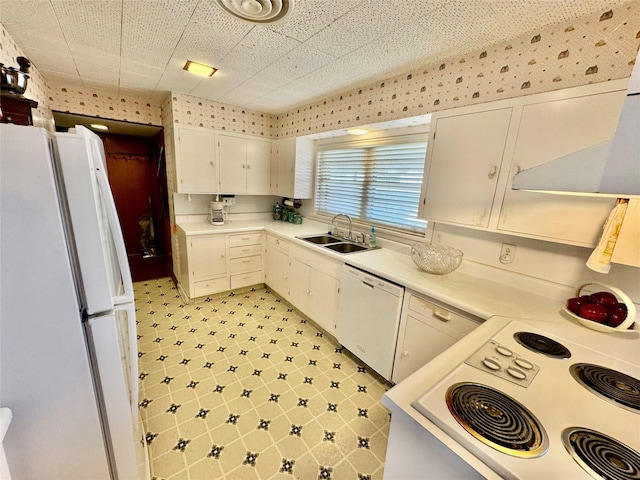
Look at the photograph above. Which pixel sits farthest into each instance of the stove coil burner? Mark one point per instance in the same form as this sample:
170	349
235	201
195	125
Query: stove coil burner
497	420
541	344
611	385
601	456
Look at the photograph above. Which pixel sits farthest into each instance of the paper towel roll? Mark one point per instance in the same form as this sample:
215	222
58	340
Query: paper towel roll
288	202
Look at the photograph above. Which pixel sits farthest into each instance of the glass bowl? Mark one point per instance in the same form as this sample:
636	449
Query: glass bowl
436	259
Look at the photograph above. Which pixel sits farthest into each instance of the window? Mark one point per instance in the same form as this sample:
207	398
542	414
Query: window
375	181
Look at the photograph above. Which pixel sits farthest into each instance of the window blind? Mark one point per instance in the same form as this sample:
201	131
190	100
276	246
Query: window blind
373	183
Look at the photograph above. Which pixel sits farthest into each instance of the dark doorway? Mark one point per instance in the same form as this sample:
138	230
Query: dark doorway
137	175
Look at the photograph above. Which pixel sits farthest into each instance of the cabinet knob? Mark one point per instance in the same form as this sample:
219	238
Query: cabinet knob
211	163
405	354
492	171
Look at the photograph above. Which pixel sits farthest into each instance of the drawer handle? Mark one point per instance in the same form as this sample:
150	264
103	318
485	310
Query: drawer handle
492	171
444	317
246	261
246	249
246	238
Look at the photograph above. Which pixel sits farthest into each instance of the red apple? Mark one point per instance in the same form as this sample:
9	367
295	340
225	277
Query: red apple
604	298
592	311
574	304
616	316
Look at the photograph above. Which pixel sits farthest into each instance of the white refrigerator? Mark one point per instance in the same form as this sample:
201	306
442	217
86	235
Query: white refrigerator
68	346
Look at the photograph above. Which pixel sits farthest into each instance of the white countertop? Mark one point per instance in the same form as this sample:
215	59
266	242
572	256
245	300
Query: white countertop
473	294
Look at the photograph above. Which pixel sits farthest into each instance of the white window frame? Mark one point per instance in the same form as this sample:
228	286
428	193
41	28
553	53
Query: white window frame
383	139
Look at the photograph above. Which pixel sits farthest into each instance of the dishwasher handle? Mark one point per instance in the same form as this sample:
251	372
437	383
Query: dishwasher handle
368	285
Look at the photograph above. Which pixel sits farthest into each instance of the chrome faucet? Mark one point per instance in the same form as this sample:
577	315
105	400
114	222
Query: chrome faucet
348	218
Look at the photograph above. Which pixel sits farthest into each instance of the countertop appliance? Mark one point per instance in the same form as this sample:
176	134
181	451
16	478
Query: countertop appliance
67	315
532	404
368	318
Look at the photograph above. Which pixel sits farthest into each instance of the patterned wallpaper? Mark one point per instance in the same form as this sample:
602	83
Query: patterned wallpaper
87	100
591	49
200	112
37	88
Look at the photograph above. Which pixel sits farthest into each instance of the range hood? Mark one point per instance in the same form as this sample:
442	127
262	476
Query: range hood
610	169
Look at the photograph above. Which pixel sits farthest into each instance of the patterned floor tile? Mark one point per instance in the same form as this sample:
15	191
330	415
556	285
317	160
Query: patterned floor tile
242	386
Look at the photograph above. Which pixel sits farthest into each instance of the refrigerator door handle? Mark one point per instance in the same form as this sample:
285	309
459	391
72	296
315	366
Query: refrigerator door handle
118	238
130	311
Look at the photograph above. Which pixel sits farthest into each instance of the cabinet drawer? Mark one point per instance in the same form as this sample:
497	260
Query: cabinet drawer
208	287
245	251
441	318
246	279
245	264
278	243
245	238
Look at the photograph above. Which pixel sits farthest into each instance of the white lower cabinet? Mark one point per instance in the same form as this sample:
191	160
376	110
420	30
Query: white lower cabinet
219	262
205	271
276	265
314	283
426	330
309	281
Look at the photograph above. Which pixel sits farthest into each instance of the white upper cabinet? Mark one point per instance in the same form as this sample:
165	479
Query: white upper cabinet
475	152
463	164
549	130
245	165
292	168
195	162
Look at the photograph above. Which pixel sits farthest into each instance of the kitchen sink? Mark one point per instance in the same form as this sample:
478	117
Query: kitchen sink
346	247
321	239
336	244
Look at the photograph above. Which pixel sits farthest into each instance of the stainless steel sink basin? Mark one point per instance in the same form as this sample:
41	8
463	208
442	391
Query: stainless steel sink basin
336	244
321	239
345	247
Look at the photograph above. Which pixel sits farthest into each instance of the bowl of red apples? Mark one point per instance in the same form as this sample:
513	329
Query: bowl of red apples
607	310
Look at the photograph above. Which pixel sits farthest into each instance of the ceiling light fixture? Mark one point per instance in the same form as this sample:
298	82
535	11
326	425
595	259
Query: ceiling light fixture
199	69
99	126
357	131
257	11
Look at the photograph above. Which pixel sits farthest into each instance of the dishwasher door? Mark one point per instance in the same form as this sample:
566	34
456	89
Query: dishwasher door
369	317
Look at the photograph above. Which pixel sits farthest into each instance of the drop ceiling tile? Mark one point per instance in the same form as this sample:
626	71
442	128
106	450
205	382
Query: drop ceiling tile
311	16
259	48
139	68
92	24
215	87
141	22
297	63
24	19
210	35
138	81
358	27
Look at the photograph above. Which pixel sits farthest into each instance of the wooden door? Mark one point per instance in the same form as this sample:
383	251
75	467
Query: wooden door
132	168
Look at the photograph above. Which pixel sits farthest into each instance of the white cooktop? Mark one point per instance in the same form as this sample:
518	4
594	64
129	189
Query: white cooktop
549	392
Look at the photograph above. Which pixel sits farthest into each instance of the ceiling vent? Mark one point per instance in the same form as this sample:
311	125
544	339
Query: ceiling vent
258	11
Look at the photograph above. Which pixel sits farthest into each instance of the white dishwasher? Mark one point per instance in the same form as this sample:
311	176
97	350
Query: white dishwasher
369	310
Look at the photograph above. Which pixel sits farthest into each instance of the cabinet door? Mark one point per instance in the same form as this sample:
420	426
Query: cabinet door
420	344
207	257
547	131
323	300
195	161
276	270
299	278
232	152
258	167
286	167
466	156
